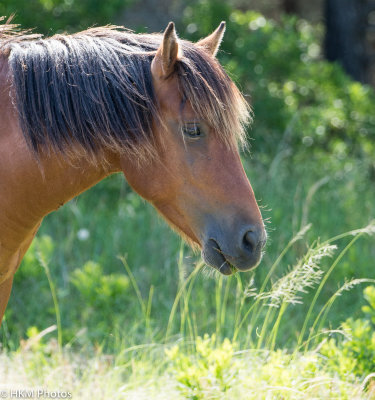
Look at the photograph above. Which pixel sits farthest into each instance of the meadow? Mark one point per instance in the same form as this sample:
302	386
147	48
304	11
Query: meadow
110	303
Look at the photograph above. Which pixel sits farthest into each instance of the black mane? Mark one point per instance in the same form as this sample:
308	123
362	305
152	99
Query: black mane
95	89
88	88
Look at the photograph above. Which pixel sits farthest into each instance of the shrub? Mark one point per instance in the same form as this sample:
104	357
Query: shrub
354	353
104	297
211	367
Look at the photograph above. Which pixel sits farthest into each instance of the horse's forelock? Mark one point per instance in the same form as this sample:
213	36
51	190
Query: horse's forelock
213	95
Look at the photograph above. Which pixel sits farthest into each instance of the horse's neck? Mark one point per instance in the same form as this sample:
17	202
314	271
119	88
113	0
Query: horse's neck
28	190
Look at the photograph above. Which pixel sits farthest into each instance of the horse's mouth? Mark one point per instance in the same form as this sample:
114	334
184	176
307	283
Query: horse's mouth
214	257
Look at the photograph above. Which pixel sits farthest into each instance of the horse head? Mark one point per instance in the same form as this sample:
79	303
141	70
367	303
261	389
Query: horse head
197	181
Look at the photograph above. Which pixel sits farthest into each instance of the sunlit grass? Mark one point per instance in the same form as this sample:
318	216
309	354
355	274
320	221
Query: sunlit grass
238	359
201	369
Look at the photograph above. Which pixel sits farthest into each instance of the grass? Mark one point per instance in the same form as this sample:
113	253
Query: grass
240	359
155	373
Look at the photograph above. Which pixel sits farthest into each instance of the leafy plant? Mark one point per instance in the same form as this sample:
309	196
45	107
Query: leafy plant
104	296
210	368
354	351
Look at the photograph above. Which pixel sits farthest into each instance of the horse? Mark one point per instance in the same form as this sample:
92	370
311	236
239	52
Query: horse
162	110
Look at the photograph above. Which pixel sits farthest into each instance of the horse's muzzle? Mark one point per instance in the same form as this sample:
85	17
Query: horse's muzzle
228	253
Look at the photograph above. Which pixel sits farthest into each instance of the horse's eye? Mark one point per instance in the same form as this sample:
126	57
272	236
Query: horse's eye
192	131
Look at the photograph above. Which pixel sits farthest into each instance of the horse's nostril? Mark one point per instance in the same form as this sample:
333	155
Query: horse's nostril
250	240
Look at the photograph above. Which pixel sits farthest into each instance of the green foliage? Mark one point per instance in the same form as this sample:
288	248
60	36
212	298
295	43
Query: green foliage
30	269
301	103
210	366
31	280
104	298
369	310
51	16
100	290
186	371
354	352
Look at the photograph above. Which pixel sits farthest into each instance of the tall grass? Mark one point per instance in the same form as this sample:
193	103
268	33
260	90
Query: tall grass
258	315
184	360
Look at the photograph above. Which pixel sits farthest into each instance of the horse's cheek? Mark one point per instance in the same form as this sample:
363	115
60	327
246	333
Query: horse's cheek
142	180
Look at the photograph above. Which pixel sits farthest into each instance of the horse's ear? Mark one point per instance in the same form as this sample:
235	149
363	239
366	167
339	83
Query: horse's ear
163	63
212	42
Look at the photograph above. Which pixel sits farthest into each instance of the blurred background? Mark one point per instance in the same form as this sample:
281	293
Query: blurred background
307	68
349	24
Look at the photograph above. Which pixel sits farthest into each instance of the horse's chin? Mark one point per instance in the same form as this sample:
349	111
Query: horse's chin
214	258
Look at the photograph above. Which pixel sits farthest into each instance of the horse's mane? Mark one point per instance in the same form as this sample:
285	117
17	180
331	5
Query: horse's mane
94	89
